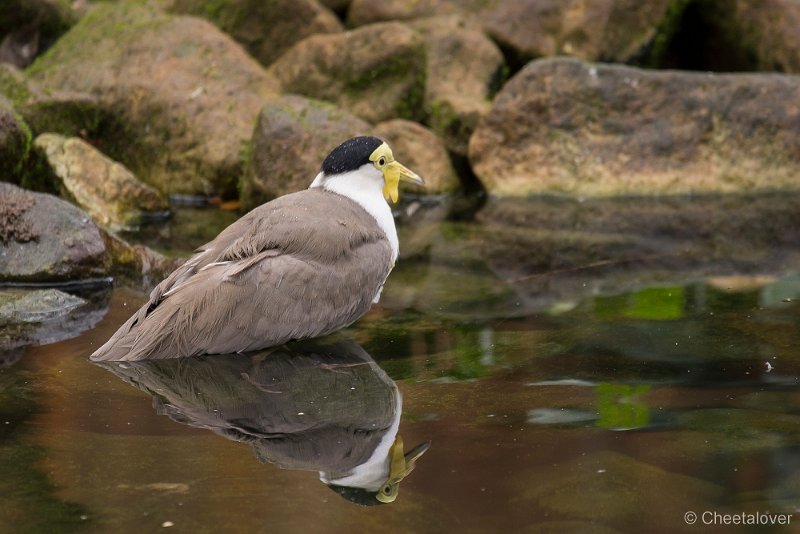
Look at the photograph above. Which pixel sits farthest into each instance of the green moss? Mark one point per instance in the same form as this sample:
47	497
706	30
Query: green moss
12	87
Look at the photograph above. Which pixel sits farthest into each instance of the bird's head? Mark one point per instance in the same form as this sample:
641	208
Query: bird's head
397	466
367	158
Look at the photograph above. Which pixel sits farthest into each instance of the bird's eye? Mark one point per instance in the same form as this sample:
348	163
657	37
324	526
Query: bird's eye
387	490
382	161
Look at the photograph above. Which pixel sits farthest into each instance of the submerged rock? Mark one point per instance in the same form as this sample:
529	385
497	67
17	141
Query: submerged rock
292	137
265	29
43	316
376	72
187	93
418	148
108	191
562	126
45	239
463	64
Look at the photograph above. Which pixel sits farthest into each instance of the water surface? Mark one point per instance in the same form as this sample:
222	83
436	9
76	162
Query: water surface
592	399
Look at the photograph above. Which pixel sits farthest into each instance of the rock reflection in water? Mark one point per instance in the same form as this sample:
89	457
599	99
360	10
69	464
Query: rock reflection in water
322	405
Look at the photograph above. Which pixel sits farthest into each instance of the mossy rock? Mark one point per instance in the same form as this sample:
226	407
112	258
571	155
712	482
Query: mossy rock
377	72
184	94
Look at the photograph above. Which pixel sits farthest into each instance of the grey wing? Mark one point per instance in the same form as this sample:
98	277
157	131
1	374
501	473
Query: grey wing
266	300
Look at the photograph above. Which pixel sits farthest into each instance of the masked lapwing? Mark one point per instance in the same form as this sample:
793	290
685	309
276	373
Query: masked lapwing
300	266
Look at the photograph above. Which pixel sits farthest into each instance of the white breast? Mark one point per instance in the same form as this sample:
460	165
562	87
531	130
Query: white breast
364	186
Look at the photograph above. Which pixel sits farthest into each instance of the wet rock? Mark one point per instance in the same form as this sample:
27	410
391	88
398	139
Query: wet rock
562	126
45	239
265	29
28	26
419	149
108	191
292	137
377	72
464	64
138	265
556	249
620	489
187	93
15	141
43	316
597	30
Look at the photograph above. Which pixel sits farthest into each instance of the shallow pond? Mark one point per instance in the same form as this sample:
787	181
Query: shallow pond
579	398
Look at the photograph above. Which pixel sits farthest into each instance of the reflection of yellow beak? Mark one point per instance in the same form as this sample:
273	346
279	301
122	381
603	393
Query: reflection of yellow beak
393	174
400	467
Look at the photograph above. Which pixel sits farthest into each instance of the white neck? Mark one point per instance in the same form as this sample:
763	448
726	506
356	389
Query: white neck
364	186
371	474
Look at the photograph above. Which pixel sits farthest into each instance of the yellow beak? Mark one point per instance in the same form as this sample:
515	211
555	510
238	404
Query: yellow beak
400	466
393	174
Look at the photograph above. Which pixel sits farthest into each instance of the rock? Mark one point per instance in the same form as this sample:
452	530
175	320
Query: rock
108	191
340	6
463	65
420	150
370	11
44	316
292	137
45	239
764	33
15	141
138	265
594	30
265	29
622	490
28	26
187	93
66	113
377	72
563	126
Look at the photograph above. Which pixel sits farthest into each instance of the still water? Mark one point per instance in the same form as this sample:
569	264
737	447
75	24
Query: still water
609	398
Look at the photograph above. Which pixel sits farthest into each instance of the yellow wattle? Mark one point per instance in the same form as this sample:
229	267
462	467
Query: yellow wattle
390	190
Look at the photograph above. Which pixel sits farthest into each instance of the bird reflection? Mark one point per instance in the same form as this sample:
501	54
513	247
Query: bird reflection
320	405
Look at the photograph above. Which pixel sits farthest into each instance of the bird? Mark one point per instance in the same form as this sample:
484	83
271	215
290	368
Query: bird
300	266
319	405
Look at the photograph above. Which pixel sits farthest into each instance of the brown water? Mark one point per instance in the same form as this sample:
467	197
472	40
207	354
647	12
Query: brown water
586	411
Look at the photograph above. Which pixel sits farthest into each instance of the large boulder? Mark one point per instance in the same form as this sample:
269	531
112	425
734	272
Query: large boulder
109	192
463	66
291	138
419	149
265	29
187	92
594	30
563	126
46	239
15	141
377	72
